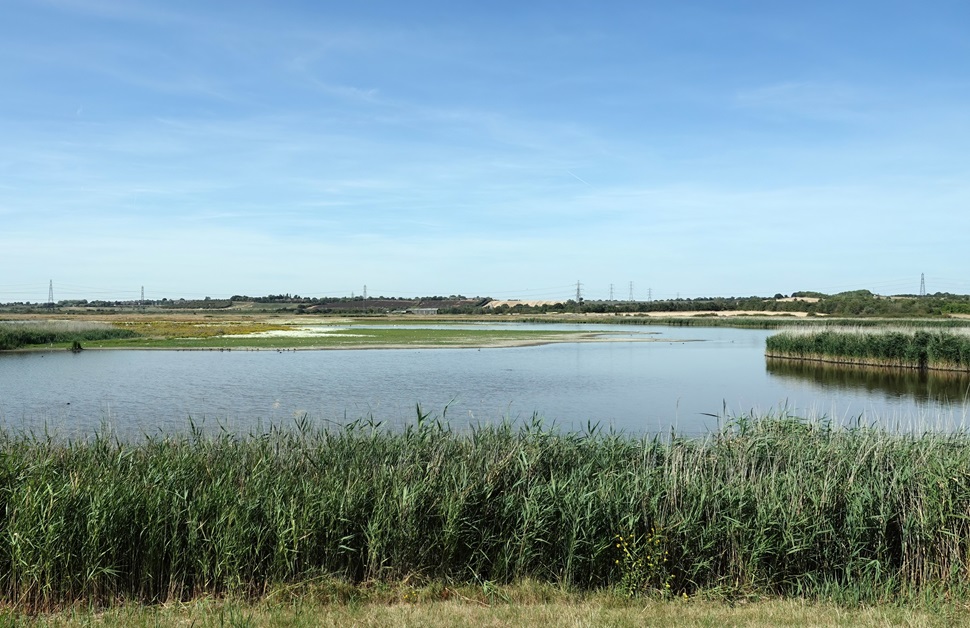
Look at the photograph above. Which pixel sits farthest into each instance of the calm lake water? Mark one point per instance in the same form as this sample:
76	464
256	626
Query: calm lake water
632	386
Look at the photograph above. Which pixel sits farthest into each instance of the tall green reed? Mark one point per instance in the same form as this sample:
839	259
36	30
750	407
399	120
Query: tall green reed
767	504
18	334
920	348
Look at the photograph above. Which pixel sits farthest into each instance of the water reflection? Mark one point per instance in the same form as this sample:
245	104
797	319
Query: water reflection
639	387
942	387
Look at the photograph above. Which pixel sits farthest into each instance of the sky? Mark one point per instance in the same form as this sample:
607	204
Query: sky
508	149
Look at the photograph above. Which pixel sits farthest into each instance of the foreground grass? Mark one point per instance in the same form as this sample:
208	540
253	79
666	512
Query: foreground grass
769	506
528	604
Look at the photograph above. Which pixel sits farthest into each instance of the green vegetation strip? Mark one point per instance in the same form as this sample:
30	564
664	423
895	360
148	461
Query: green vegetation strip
920	349
174	334
352	338
771	506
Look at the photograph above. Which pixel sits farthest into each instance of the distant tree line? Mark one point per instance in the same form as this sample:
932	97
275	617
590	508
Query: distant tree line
856	303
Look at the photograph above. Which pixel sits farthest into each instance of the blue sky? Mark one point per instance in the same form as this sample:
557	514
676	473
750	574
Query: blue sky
507	149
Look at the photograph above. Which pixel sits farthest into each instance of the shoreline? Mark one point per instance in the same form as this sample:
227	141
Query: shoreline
872	363
592	337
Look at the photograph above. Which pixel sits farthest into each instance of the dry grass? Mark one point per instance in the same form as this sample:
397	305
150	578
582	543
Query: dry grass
520	607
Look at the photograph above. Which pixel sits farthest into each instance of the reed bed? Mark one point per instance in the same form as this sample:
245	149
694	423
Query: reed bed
893	347
19	334
771	504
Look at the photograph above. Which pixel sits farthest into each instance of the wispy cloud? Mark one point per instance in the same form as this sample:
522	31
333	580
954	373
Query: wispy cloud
437	149
811	99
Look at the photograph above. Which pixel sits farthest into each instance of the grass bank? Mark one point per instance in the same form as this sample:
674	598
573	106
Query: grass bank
768	506
917	349
251	334
323	337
